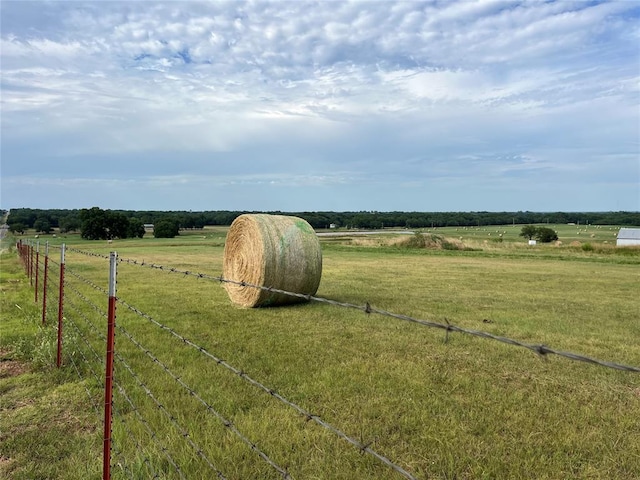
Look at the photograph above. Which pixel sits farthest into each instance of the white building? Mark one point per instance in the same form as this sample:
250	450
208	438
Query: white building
628	237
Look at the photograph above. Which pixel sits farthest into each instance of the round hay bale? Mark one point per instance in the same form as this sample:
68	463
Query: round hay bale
274	251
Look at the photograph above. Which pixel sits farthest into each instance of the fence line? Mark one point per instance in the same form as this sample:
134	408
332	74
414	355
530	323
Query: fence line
227	423
183	432
142	420
305	413
368	309
308	415
32	268
80	295
77	369
87	282
92	350
152	434
145	459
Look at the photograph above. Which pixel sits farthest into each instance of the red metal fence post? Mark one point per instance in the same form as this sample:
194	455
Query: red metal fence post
108	384
44	283
30	262
37	268
60	307
25	256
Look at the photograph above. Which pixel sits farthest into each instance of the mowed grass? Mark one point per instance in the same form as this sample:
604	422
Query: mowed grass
457	407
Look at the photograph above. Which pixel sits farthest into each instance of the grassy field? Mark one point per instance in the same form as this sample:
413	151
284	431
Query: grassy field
464	408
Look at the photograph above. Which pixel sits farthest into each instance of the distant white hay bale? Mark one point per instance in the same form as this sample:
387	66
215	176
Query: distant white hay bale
276	251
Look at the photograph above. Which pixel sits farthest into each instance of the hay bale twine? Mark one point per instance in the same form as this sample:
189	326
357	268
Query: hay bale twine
274	251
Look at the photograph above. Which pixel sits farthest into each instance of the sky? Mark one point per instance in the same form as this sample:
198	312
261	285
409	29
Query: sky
321	106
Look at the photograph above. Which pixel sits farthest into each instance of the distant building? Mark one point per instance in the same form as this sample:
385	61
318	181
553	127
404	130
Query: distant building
332	225
148	226
628	237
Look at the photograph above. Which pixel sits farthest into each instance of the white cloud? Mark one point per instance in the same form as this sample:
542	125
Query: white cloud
397	89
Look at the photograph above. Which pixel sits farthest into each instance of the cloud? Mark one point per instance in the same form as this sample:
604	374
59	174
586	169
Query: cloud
405	92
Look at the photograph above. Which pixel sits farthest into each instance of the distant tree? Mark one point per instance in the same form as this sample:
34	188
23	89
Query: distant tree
117	225
529	231
17	228
98	224
69	223
136	228
546	235
166	228
94	224
42	225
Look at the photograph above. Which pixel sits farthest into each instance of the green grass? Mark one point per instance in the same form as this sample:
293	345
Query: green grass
47	429
465	408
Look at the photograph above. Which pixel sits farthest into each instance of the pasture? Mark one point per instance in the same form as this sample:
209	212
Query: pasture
438	406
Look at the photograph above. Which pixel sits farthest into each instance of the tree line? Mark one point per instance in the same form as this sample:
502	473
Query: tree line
98	223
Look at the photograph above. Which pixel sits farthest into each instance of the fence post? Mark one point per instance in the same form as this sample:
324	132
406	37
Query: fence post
37	268
30	263
60	307
44	283
108	384
27	250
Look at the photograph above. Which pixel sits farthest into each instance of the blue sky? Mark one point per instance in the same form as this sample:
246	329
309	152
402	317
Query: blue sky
427	106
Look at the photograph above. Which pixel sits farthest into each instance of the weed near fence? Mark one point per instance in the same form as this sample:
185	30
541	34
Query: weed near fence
364	369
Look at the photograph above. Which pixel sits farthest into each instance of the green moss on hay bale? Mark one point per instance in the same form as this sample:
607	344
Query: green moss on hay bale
274	251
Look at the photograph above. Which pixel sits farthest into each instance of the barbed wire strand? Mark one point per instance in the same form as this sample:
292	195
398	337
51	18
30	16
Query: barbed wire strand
92	325
95	354
185	434
86	281
123	465
97	332
89	394
227	423
132	437
53	288
308	415
367	308
52	285
85	253
97	410
448	327
86	300
148	428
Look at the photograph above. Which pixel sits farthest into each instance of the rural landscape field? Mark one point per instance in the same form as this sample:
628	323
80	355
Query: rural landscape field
435	404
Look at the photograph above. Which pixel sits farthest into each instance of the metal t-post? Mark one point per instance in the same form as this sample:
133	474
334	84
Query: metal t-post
108	384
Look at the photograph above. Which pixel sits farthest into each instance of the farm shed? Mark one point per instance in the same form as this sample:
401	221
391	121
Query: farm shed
628	236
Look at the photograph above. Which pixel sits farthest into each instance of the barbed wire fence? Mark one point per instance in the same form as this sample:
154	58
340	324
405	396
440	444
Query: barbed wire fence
144	405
